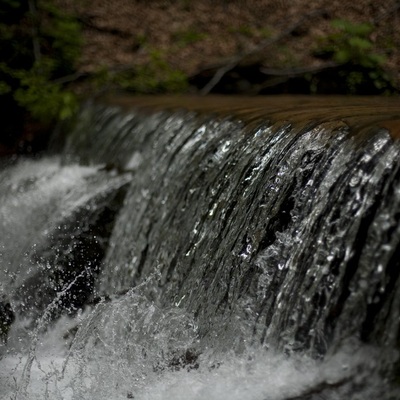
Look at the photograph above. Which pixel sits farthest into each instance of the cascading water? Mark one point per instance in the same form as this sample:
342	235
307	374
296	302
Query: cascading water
253	257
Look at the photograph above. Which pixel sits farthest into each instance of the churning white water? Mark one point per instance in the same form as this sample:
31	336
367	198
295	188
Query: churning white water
129	348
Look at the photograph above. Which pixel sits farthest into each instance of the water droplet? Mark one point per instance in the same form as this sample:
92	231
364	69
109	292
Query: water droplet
363	284
325	270
354	181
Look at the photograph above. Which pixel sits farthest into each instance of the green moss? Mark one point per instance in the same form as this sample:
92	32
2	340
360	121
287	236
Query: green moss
242	30
183	38
265	32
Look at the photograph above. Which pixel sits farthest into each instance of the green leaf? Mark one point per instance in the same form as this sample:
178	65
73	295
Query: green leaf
360	43
377	58
362	30
4	88
342	56
340	24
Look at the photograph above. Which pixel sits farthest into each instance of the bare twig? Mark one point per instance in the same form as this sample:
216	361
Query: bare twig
35	34
254	50
71	78
78	75
290	72
218	76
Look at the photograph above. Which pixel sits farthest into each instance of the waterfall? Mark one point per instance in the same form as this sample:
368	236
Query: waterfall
237	248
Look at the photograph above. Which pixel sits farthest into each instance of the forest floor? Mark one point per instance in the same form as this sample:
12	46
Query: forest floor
205	38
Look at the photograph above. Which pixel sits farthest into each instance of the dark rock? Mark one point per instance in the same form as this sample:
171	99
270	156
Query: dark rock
7	317
71	261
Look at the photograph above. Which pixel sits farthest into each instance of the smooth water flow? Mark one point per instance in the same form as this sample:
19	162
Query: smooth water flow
186	255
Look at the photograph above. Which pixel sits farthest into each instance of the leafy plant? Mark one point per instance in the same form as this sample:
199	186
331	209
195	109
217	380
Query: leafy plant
43	98
40	44
156	76
351	45
61	38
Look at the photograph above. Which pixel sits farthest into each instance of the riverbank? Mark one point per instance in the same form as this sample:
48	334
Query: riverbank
253	47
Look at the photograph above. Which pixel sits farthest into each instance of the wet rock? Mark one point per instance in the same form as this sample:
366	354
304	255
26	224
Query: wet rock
70	261
7	317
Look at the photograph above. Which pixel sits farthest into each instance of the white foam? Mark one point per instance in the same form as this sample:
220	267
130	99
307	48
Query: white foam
107	361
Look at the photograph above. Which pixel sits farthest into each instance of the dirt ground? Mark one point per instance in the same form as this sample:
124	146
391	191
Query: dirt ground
194	35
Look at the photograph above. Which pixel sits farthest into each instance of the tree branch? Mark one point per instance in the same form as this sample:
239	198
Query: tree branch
254	50
35	34
290	72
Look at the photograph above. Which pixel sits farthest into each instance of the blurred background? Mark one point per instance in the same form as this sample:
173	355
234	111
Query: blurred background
54	53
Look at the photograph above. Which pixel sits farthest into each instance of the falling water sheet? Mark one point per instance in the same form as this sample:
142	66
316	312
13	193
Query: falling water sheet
255	263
